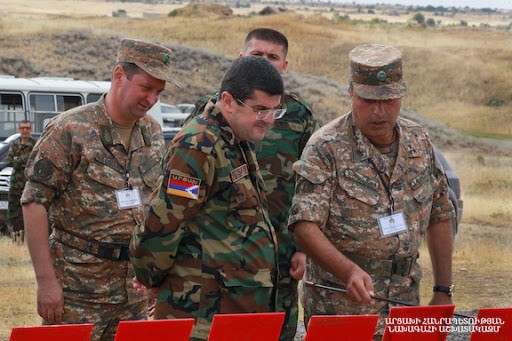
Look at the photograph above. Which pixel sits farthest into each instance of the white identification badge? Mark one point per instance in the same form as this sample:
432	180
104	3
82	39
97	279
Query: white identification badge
392	224
128	198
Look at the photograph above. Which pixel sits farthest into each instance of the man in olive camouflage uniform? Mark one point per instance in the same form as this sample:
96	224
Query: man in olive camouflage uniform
369	188
208	244
276	153
17	158
92	173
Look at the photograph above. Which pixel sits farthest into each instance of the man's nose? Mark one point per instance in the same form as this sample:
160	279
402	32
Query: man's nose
378	108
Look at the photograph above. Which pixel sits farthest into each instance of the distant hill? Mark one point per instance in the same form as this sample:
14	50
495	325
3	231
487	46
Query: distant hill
89	56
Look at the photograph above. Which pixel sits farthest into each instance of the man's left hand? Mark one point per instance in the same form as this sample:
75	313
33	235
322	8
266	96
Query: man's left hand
298	265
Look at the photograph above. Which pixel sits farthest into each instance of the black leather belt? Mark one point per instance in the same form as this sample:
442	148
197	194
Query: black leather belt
385	267
115	252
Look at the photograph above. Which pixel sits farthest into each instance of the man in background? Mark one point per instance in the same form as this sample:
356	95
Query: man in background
90	178
369	188
17	158
276	153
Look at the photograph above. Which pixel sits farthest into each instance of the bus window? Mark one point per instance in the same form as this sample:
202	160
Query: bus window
53	102
93	97
11	112
66	102
41	102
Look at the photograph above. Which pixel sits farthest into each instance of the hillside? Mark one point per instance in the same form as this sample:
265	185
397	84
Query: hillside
88	55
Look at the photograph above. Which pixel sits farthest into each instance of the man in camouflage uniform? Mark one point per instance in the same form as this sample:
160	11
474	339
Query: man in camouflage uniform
276	153
17	158
92	173
369	188
208	244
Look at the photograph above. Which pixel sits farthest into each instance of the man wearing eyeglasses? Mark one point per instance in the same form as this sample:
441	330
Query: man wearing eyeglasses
207	244
276	153
17	158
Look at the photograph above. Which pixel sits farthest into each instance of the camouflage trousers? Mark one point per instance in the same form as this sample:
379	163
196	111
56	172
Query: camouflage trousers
287	299
105	317
15	222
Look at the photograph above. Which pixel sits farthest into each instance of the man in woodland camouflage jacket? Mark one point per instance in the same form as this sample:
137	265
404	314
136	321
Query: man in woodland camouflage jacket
276	153
17	158
207	244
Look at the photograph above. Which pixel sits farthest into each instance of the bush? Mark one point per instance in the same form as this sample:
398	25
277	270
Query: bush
494	102
119	13
419	18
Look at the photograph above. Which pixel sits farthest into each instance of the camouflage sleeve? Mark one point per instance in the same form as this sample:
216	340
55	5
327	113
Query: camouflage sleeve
442	207
200	105
10	158
48	169
182	191
315	183
312	125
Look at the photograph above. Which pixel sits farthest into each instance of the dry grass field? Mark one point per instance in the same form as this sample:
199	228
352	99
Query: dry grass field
459	83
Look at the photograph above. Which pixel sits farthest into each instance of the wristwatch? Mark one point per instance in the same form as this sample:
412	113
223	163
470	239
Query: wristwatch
450	291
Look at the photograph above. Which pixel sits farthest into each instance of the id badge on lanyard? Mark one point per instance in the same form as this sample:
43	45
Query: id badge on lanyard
128	198
392	224
395	222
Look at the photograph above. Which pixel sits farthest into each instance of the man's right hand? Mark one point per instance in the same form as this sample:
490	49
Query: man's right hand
359	286
50	300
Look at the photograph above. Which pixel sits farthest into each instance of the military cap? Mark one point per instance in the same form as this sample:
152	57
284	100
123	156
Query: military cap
376	72
152	58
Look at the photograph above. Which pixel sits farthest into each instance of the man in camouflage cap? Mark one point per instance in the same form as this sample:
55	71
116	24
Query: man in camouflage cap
369	188
90	177
276	153
208	245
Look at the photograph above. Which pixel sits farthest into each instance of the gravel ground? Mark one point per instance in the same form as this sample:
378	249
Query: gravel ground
455	335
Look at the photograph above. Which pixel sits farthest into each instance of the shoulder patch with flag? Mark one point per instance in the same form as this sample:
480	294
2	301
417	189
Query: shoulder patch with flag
183	186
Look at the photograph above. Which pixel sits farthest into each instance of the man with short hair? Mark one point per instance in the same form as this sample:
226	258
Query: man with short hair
369	188
90	178
208	245
276	153
17	158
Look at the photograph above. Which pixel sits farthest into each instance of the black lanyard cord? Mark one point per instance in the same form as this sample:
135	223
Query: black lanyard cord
386	186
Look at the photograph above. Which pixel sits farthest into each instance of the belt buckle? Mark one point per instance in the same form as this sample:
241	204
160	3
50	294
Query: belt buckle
109	252
402	267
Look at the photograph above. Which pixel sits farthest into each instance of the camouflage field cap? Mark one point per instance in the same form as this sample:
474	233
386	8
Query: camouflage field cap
376	72
152	58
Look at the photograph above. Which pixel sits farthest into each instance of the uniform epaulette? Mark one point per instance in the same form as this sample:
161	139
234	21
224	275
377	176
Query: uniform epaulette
299	100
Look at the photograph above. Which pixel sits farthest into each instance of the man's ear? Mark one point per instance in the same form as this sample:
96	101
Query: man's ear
118	73
228	101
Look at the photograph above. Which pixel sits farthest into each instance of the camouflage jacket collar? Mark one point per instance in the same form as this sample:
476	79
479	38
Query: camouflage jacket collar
362	148
217	122
141	135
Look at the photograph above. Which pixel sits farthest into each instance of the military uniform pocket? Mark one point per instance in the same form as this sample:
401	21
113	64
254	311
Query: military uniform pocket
244	207
360	187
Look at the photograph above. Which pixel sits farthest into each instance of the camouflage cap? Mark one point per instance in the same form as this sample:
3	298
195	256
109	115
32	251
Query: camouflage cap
376	72
152	58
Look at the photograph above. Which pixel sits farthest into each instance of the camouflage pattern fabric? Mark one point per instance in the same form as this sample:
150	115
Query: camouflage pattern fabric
17	158
152	58
74	171
339	190
276	153
207	243
376	72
